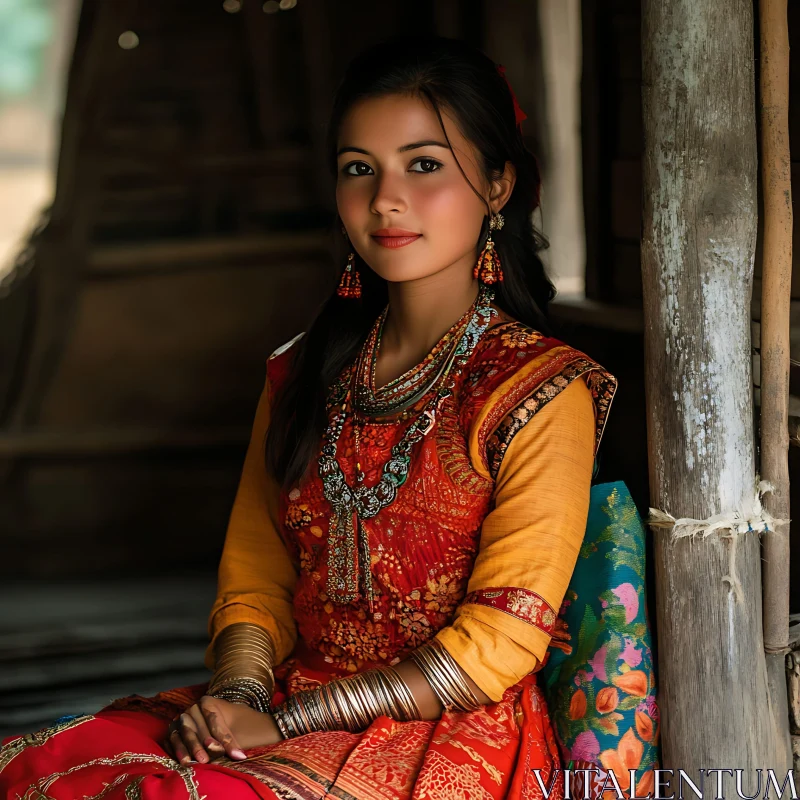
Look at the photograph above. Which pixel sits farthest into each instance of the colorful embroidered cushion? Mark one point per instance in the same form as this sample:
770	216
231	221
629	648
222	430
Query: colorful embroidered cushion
598	675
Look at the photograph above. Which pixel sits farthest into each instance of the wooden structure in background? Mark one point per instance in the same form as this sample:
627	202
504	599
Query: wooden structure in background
190	235
698	250
612	125
612	149
187	238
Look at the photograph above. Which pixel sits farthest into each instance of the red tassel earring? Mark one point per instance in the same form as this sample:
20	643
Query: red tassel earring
350	283
488	270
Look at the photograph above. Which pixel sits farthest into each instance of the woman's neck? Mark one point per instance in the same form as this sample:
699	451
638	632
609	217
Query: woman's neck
420	313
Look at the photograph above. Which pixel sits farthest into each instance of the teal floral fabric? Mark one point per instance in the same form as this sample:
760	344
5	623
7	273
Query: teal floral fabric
598	676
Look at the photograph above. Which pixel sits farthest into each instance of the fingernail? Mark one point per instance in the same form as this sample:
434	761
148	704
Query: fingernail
202	758
238	754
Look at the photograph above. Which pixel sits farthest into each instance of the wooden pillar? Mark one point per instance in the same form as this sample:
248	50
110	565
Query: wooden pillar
776	281
698	248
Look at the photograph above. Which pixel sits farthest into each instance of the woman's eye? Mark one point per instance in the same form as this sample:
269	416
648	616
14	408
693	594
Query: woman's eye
426	165
358	168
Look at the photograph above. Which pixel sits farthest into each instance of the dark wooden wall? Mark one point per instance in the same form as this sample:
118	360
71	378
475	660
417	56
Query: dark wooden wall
612	144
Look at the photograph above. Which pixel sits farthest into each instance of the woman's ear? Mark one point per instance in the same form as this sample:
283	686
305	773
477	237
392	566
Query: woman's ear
501	188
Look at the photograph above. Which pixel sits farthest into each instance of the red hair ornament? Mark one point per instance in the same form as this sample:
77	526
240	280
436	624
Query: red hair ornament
519	114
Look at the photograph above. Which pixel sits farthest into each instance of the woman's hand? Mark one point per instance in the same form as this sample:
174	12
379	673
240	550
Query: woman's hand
213	728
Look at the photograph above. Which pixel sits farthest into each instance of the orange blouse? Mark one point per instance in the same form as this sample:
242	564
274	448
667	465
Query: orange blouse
529	539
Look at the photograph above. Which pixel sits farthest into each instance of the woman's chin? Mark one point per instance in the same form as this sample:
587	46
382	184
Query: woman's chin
399	275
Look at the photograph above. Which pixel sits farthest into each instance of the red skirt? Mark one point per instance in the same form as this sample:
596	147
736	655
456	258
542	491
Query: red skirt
504	750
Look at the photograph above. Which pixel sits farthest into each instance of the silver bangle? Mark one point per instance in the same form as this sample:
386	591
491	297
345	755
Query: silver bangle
444	677
247	691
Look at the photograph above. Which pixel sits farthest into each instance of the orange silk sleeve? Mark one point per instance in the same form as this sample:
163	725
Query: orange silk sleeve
256	577
529	543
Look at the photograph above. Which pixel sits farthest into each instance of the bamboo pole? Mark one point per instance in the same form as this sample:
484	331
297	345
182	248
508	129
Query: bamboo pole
698	251
776	279
775	302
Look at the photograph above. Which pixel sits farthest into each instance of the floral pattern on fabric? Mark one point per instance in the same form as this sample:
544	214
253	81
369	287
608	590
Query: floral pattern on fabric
520	603
599	677
461	756
519	336
423	546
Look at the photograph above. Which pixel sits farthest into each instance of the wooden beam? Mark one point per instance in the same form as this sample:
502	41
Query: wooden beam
596	314
104	442
698	248
138	258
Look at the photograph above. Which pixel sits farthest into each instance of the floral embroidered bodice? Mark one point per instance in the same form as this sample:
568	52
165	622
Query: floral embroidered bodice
423	546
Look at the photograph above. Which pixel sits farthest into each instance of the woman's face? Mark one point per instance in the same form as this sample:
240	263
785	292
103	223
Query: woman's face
407	208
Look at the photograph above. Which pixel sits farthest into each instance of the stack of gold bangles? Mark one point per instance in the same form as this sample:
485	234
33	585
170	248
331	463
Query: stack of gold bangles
244	655
353	703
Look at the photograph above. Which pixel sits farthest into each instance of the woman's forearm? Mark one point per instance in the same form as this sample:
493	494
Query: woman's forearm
418	688
429	705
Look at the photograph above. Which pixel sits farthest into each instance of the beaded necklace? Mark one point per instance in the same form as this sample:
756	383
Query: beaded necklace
348	544
409	387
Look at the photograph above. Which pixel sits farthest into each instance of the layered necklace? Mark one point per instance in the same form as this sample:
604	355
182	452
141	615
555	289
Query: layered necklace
348	543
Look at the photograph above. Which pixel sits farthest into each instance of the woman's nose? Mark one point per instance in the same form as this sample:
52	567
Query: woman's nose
388	197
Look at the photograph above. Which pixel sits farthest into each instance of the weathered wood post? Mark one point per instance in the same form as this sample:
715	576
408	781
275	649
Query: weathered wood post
698	248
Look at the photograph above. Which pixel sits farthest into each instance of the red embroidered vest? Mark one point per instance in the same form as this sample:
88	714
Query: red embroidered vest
424	544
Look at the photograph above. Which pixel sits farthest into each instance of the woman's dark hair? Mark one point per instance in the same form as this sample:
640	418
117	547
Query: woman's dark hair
452	75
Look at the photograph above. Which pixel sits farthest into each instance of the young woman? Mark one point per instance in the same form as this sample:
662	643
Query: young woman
412	502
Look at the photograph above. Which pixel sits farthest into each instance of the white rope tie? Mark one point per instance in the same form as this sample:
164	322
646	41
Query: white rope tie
750	517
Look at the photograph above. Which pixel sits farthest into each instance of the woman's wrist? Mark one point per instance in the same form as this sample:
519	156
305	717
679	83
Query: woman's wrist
274	729
445	677
244	655
246	691
347	704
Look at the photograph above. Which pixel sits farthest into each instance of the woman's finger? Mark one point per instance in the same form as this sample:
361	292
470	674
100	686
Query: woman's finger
178	748
167	743
203	733
219	728
191	740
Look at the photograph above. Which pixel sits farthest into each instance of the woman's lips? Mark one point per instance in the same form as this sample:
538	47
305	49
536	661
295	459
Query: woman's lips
395	241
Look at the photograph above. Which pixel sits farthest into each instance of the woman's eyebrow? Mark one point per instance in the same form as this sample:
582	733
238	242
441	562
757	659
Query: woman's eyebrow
403	149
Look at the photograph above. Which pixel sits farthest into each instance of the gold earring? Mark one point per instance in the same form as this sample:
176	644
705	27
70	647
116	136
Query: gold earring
350	282
488	270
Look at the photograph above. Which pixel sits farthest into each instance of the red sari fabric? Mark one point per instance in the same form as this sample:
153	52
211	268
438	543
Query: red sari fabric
116	754
503	750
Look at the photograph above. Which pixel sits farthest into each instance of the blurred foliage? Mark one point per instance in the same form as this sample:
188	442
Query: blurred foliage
26	27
